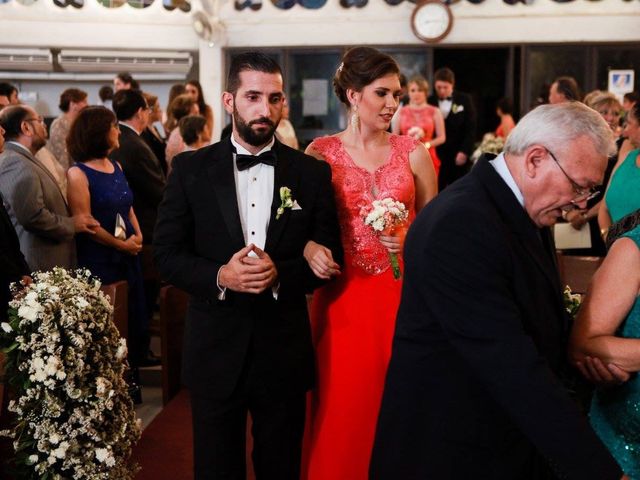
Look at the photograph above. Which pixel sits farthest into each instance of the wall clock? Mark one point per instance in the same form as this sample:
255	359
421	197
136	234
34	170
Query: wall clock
431	20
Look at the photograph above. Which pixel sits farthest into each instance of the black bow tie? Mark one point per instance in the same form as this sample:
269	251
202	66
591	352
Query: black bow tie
446	98
247	161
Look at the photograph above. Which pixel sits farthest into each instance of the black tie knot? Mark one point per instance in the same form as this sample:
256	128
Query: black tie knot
244	161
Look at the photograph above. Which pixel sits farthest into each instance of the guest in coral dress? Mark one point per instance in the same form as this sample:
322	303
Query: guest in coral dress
421	120
353	317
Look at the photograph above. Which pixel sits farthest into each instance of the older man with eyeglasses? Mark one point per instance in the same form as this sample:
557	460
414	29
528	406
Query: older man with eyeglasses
479	385
33	199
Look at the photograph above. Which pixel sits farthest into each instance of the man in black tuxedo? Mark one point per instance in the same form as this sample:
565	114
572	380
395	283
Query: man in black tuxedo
147	181
478	383
460	127
232	230
13	266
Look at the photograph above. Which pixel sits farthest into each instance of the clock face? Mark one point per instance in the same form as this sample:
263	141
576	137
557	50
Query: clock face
431	20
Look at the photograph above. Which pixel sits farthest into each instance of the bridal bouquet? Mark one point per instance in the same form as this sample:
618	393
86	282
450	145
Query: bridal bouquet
384	216
64	361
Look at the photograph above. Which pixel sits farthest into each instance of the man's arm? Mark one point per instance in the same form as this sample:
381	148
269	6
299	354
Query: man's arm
296	273
143	171
23	191
173	242
470	289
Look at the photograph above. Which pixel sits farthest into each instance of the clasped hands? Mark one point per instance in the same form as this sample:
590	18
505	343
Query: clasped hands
248	273
594	370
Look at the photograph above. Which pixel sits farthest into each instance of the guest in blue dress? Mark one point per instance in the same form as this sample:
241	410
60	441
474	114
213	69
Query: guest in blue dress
608	328
98	187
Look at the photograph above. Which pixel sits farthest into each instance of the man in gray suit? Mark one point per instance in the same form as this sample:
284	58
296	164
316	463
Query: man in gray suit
32	197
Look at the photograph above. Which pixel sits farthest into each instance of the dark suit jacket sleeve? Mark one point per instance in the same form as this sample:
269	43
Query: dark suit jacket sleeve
142	169
173	249
469	271
325	231
470	125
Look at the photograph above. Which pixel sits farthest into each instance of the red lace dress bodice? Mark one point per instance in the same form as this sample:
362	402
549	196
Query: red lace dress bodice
424	118
356	187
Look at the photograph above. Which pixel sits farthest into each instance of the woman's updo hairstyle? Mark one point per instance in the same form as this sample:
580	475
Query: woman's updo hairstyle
360	67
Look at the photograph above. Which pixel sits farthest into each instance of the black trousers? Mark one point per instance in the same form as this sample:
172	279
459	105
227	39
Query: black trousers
219	432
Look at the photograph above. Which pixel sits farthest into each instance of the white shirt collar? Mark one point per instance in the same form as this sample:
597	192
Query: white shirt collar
500	165
240	149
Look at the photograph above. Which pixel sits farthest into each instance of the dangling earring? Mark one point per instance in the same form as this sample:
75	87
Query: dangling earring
355	118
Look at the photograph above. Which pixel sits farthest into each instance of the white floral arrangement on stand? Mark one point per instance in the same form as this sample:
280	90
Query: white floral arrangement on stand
490	144
65	362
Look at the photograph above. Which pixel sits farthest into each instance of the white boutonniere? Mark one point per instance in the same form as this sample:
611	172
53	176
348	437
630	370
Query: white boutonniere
455	108
285	201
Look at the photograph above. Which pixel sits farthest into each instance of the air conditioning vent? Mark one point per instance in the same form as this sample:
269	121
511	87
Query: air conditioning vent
26	59
134	62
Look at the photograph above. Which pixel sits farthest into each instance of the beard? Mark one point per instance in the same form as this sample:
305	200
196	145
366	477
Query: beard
248	134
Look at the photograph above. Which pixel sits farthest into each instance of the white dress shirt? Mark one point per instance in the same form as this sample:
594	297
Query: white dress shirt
445	107
254	191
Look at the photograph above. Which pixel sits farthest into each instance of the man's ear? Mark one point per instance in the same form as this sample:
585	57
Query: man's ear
533	158
228	102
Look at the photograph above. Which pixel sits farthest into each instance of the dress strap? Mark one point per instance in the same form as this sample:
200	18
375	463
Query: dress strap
403	145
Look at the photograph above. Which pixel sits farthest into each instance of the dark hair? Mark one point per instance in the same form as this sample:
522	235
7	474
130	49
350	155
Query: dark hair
505	105
105	93
125	77
71	95
249	61
175	90
360	67
201	103
403	80
88	136
127	102
568	87
11	119
444	74
180	107
632	97
7	89
190	127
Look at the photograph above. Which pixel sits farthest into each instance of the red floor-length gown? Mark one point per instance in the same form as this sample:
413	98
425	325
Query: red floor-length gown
353	318
423	118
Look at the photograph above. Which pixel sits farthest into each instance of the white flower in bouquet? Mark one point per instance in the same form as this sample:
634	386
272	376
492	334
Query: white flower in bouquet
384	216
65	360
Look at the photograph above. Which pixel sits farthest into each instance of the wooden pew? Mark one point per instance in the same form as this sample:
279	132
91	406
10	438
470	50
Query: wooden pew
577	271
173	310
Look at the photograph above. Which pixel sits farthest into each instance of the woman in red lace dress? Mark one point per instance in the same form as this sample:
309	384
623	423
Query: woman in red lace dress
422	121
353	317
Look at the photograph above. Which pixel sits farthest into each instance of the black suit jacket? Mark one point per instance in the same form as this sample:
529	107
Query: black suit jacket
145	177
198	231
474	384
460	128
12	263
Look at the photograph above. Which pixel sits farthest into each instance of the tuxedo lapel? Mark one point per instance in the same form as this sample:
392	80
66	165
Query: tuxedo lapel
224	185
285	175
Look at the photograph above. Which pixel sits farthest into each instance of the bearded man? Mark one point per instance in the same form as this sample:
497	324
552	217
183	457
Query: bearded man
232	230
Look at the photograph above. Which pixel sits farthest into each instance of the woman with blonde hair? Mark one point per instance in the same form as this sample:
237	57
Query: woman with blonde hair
422	121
